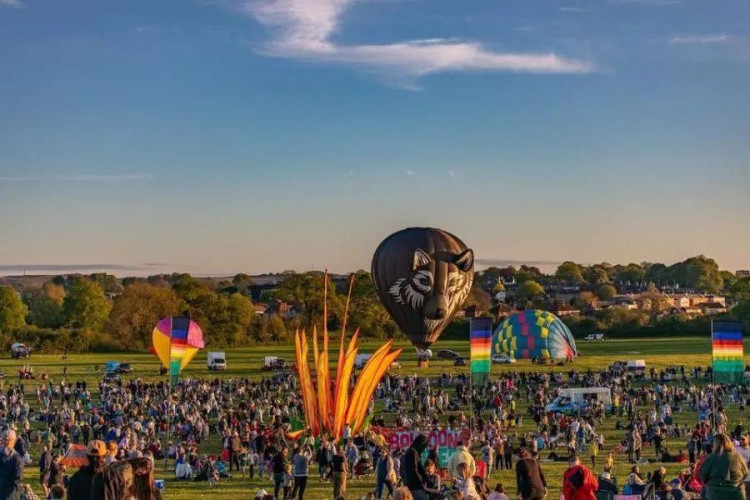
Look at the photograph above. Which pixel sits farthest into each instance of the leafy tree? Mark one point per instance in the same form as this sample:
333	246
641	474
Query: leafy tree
306	291
596	275
703	274
569	272
529	291
527	274
45	306
242	282
606	292
12	309
728	279
585	299
108	282
632	273
85	305
658	273
740	290
230	319
136	312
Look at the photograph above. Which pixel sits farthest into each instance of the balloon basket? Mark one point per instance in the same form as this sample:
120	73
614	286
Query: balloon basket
423	363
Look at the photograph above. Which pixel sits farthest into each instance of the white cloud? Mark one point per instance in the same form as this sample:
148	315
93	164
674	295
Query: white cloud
302	30
410	173
10	3
699	39
451	173
573	9
78	178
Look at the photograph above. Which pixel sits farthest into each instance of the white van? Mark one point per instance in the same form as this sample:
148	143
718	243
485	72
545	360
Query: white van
573	400
217	361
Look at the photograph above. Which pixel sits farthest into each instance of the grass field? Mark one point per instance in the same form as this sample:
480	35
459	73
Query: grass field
247	363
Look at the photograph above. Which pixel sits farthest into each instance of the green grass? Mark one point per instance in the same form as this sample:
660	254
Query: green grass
247	362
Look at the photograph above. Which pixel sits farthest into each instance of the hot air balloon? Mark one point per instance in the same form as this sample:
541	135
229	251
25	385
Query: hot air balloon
534	334
422	276
176	342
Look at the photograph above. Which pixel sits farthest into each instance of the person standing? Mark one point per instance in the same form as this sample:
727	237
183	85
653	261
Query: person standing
11	467
385	473
45	461
462	456
235	451
279	468
339	472
579	483
87	483
413	472
301	465
530	478
724	471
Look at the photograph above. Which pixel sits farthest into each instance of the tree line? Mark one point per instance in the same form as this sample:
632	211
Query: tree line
100	311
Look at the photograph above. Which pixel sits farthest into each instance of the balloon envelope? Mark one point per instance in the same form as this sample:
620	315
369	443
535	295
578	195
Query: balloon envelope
176	341
422	276
534	334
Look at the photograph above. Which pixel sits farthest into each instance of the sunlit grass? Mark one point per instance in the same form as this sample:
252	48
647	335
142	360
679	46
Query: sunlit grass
247	362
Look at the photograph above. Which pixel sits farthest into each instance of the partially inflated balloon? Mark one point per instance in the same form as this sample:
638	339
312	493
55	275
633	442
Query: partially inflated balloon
176	342
534	334
422	276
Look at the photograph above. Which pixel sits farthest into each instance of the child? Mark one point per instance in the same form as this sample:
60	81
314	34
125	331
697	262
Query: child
594	454
432	481
499	493
465	483
252	460
288	481
212	473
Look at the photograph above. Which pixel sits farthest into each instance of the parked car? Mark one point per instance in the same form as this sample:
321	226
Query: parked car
111	376
274	363
502	359
594	337
19	350
124	368
447	354
459	361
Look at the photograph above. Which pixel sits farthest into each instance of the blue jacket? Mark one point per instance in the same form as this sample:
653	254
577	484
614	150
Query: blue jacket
11	474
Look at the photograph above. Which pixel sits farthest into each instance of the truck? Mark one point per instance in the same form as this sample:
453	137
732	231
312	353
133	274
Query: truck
217	361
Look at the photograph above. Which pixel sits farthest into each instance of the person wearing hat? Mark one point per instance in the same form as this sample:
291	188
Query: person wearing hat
11	467
87	482
606	483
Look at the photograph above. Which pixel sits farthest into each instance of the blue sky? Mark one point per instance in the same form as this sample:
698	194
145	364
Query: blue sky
223	136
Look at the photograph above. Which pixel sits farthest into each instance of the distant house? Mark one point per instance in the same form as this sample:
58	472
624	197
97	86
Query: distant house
713	308
279	308
260	309
562	309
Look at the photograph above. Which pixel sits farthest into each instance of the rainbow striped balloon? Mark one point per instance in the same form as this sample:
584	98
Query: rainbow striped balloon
728	352
176	342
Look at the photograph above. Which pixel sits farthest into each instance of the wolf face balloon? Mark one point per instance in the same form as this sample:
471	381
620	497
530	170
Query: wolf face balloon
422	276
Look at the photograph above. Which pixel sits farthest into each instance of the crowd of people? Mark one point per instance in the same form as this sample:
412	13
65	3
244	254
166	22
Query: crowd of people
126	428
